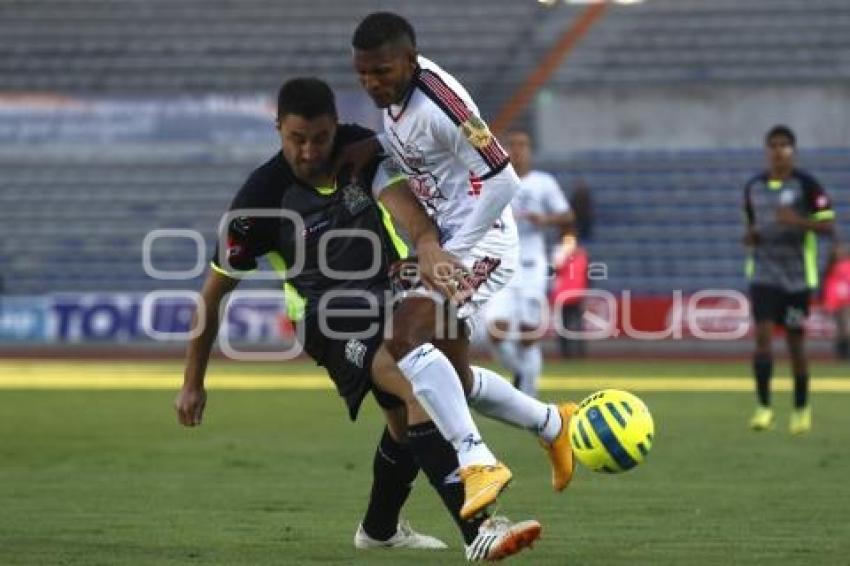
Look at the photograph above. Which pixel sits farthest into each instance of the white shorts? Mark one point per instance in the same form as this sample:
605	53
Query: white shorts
495	245
524	300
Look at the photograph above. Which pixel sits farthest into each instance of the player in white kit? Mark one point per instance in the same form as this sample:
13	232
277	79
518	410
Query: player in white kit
516	316
464	179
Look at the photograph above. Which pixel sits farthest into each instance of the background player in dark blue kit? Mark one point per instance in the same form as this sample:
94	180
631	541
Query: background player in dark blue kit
785	209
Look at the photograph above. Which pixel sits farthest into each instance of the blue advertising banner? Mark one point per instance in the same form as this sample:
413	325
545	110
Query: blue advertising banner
129	317
23	319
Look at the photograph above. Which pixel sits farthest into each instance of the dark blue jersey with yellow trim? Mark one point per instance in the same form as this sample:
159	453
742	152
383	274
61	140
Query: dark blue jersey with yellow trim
784	257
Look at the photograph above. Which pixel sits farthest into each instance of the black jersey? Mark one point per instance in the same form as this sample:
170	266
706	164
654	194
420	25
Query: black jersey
785	257
324	239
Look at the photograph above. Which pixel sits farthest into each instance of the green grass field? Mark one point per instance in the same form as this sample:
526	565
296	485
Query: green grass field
279	476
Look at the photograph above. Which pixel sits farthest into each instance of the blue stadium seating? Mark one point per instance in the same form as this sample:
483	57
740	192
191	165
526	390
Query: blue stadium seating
673	220
664	220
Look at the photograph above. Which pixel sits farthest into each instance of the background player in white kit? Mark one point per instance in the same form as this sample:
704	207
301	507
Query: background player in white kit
464	178
516	316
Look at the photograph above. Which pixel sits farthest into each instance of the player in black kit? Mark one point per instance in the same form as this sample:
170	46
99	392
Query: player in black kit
335	243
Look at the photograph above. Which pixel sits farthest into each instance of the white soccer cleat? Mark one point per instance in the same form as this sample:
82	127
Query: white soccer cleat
499	538
404	537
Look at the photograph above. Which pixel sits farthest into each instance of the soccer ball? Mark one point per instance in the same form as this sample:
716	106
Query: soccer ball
611	431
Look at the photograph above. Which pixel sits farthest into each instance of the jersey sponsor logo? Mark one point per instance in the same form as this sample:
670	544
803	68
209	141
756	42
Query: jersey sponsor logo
313	229
413	155
476	131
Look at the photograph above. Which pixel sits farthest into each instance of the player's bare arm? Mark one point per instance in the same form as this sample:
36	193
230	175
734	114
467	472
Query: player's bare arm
436	266
192	398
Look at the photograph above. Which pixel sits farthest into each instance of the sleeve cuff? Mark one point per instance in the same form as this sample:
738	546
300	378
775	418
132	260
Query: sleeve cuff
393	180
231	274
824	215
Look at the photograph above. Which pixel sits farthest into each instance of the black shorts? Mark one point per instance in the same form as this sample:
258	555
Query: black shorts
348	360
779	306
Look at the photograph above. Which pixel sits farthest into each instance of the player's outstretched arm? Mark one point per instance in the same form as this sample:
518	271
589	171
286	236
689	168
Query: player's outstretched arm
437	266
192	397
496	193
473	145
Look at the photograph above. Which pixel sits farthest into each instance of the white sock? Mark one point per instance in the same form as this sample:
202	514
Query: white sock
494	397
531	365
438	389
506	352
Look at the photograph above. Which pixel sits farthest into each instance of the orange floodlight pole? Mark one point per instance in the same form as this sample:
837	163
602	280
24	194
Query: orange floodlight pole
547	66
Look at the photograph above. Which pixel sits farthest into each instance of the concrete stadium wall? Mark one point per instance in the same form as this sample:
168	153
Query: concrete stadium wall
688	116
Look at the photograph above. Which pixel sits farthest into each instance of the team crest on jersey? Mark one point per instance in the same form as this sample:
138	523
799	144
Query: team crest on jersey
355	199
355	352
476	131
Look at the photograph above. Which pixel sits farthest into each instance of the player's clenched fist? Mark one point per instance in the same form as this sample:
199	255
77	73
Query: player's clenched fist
189	404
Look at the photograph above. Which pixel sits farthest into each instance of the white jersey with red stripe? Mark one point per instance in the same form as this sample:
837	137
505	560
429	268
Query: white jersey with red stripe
446	151
524	298
539	194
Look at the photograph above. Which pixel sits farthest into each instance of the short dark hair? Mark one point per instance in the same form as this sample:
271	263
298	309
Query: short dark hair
379	28
307	97
781	130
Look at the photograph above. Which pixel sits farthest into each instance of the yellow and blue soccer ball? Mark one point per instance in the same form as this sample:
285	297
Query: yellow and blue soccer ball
611	431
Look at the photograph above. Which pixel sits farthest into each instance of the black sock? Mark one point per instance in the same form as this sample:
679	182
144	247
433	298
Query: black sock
393	472
801	390
438	460
763	370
